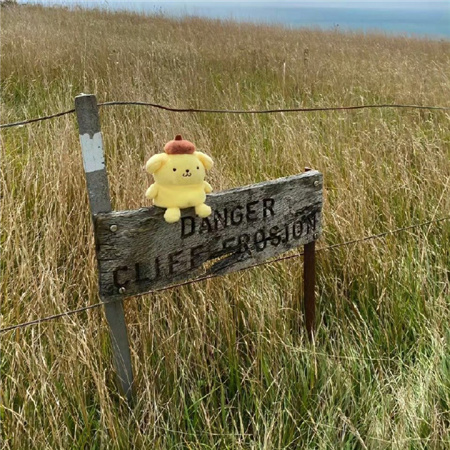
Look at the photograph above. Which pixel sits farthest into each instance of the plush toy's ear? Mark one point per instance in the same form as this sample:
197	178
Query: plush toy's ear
205	160
155	162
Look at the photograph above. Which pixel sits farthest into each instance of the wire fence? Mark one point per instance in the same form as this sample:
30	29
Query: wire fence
224	111
208	277
230	111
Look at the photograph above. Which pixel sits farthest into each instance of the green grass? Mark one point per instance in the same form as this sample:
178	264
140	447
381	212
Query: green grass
220	364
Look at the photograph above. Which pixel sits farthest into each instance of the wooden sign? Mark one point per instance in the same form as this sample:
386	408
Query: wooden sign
138	251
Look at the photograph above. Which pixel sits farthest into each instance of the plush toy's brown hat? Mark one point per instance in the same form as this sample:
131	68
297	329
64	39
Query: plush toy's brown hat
179	146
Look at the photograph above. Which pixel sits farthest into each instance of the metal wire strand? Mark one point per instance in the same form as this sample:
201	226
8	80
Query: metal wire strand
208	277
269	111
228	111
38	119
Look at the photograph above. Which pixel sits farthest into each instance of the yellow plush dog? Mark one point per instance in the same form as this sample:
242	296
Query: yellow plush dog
179	175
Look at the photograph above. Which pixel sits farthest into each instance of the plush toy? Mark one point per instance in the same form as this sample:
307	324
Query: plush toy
179	175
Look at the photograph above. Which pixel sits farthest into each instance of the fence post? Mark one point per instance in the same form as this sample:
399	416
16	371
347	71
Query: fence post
97	184
309	284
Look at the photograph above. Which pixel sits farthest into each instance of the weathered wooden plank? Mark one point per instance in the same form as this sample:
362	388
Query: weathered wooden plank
138	251
97	184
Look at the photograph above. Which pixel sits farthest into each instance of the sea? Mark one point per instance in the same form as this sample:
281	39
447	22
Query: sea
416	18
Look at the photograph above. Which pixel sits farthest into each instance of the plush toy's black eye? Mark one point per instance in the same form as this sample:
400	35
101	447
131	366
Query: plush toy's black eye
198	168
174	169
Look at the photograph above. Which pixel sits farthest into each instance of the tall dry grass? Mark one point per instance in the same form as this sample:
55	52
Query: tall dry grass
217	364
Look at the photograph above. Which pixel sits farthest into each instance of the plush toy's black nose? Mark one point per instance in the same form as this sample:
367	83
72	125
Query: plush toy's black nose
187	170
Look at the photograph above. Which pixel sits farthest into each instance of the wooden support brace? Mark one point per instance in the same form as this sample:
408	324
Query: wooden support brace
97	184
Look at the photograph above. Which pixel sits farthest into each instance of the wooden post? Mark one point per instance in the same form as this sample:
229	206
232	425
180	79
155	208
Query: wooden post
97	184
309	284
309	279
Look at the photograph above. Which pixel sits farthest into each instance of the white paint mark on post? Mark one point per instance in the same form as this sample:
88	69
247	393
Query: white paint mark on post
92	149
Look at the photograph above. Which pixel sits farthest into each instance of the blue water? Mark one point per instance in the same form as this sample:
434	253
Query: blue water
423	18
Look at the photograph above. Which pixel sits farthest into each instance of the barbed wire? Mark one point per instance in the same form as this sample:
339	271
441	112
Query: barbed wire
210	276
228	111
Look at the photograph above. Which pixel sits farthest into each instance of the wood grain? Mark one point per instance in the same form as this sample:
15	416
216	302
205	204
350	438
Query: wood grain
138	251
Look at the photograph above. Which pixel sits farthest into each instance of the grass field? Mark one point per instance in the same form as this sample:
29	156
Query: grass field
217	364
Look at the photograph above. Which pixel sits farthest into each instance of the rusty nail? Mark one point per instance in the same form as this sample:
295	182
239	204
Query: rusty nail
113	228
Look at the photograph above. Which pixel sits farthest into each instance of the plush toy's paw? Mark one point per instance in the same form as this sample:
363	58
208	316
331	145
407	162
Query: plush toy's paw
207	186
151	192
172	215
203	210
